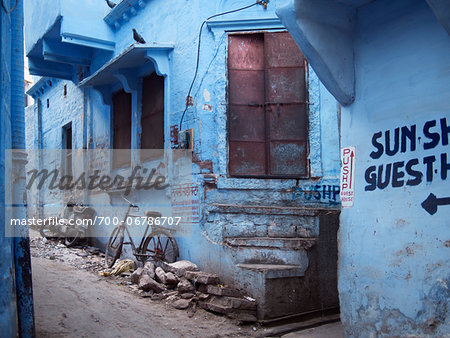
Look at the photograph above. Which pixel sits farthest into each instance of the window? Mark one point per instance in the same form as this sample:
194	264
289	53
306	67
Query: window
267	115
152	118
67	145
121	128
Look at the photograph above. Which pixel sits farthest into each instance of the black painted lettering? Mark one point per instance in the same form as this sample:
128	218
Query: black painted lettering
377	145
445	166
326	193
445	131
371	178
316	192
414	173
429	160
336	191
380	183
411	135
434	137
397	176
387	136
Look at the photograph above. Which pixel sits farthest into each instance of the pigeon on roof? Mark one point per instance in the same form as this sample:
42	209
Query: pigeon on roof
110	3
137	37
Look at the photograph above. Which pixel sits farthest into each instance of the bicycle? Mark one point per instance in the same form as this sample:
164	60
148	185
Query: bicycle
159	245
72	225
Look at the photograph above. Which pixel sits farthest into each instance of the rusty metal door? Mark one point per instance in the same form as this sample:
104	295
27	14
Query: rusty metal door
152	118
267	106
121	128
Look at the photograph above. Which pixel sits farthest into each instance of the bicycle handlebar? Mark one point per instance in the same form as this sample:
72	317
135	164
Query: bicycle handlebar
129	202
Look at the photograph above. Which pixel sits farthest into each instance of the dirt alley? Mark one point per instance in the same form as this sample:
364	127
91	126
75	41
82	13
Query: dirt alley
74	303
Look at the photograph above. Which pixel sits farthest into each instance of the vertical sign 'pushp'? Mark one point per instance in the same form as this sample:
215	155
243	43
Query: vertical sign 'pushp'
347	176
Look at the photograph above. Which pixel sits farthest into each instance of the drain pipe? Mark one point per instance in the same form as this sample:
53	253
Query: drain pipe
22	261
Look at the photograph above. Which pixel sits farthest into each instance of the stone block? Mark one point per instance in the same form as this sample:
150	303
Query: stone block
185	286
215	307
149	269
171	279
202	288
187	295
136	275
228	304
181	304
221	291
202	277
147	283
179	268
160	275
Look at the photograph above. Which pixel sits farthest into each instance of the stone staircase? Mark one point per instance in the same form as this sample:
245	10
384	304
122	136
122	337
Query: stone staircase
271	270
285	257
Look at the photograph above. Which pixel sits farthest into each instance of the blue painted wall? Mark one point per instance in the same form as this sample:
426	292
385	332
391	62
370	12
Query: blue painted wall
393	247
394	256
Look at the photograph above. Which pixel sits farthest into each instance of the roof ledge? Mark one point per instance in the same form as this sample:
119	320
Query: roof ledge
126	67
441	10
324	30
123	11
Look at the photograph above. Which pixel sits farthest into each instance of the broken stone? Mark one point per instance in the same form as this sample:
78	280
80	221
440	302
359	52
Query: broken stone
171	279
181	304
146	294
202	296
202	288
221	291
202	277
171	298
160	275
215	307
158	296
136	275
149	269
185	286
187	295
179	268
147	283
171	293
226	304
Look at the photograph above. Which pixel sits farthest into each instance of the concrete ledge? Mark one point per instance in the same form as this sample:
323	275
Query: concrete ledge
266	209
270	271
272	242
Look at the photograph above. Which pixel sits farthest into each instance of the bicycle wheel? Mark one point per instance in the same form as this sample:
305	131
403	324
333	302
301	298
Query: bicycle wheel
114	247
70	241
160	246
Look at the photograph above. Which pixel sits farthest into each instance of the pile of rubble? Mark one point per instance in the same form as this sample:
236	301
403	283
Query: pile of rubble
185	287
86	258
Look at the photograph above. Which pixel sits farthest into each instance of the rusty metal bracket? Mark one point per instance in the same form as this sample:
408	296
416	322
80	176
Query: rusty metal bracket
263	3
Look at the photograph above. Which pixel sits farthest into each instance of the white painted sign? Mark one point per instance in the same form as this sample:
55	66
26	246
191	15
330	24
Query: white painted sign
347	176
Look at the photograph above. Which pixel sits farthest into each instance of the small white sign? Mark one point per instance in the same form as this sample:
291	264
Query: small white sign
347	176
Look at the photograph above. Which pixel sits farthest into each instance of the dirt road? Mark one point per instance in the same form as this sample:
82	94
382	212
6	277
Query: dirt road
74	303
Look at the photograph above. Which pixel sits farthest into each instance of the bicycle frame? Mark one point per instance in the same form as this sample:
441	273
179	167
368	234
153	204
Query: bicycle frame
124	225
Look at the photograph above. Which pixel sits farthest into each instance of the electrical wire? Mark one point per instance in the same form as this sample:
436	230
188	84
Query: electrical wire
9	11
259	2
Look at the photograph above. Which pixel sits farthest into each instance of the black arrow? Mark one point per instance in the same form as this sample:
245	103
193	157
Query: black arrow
432	202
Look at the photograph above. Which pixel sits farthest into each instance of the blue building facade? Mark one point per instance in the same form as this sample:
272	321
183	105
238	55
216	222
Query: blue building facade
387	63
265	203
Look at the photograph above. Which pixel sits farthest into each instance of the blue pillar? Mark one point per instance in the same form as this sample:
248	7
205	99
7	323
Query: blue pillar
8	313
22	261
